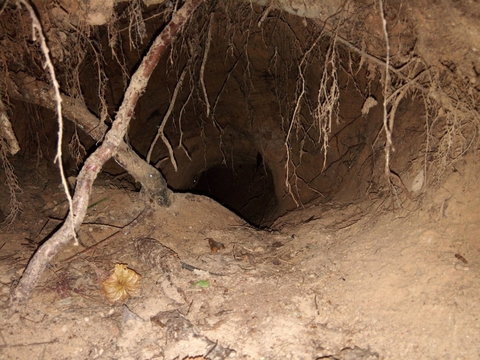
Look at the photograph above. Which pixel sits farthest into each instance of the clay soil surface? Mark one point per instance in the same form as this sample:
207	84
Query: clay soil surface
330	281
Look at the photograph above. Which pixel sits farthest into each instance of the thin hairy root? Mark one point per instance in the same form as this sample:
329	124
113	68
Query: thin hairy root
161	128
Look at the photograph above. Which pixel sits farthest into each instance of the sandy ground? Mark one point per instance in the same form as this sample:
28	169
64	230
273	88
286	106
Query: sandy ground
330	281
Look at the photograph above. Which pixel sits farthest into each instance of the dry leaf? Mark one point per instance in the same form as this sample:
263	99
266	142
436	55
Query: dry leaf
121	284
215	246
368	104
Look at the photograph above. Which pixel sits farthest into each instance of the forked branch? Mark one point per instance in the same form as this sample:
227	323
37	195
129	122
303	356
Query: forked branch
28	89
104	152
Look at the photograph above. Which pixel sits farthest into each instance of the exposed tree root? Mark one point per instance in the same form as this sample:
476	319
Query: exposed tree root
110	145
26	88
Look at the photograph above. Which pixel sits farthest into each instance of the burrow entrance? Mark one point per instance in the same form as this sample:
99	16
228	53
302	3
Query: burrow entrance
247	189
262	110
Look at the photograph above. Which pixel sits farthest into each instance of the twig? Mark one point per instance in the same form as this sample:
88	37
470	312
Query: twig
109	237
102	224
29	344
45	225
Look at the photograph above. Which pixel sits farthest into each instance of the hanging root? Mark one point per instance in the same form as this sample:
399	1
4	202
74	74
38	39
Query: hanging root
452	125
387	125
38	34
327	99
11	181
9	146
325	111
76	149
161	128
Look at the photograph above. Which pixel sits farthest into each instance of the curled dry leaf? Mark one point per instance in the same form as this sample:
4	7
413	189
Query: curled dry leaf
215	246
121	284
369	103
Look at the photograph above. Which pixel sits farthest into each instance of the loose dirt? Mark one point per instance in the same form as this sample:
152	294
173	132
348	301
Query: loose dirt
330	281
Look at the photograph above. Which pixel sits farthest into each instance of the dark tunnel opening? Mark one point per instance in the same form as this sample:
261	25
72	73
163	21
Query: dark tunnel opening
246	189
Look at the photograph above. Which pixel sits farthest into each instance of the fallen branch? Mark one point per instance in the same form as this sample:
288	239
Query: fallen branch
93	165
